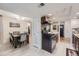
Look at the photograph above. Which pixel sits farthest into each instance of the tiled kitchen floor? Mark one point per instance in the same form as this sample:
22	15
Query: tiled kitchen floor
27	50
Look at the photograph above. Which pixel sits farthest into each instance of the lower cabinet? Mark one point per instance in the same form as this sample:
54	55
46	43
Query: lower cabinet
48	42
70	52
75	42
75	51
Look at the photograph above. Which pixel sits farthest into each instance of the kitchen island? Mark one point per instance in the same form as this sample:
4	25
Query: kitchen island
49	41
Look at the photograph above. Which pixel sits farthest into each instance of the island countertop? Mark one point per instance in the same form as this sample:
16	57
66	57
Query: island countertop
77	35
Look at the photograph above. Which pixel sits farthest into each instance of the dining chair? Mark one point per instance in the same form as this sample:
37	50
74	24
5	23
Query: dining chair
11	39
23	38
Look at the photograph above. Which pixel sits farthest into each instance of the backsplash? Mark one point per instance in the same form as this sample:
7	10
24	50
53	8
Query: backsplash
75	30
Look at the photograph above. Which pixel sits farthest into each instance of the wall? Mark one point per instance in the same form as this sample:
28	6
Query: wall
75	23
36	27
1	29
36	32
7	29
68	31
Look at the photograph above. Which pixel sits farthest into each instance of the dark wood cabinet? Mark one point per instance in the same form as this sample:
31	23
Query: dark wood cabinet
75	51
70	52
48	39
44	19
48	42
75	41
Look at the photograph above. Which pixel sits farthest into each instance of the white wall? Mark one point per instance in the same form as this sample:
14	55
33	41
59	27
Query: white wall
36	27
75	23
36	32
7	29
1	29
68	31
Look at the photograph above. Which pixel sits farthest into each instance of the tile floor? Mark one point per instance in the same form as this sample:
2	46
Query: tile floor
27	50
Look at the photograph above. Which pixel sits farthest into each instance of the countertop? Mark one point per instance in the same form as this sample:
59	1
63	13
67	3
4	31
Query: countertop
77	35
53	32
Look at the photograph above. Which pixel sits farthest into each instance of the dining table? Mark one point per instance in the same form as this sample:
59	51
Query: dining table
17	38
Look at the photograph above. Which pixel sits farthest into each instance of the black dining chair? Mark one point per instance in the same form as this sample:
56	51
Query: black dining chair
14	41
11	39
23	39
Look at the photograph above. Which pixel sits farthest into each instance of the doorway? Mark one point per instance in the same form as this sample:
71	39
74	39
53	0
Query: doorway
30	32
61	32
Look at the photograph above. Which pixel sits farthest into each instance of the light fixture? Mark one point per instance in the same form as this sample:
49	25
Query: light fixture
77	13
49	14
17	17
54	18
41	4
23	18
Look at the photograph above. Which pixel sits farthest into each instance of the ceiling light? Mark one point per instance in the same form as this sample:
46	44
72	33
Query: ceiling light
41	4
17	17
77	13
49	14
54	18
23	18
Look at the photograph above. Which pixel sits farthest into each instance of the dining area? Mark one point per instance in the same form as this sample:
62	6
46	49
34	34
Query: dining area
18	39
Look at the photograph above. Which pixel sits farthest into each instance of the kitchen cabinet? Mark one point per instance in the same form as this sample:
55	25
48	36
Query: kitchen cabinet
75	42
48	38
48	42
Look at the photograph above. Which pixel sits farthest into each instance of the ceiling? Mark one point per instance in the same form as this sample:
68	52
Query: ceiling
61	11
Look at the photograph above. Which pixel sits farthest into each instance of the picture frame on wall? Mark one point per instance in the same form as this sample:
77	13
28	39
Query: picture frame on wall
11	24
55	27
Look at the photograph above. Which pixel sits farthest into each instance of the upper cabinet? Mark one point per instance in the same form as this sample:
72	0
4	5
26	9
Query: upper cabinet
45	24
45	20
